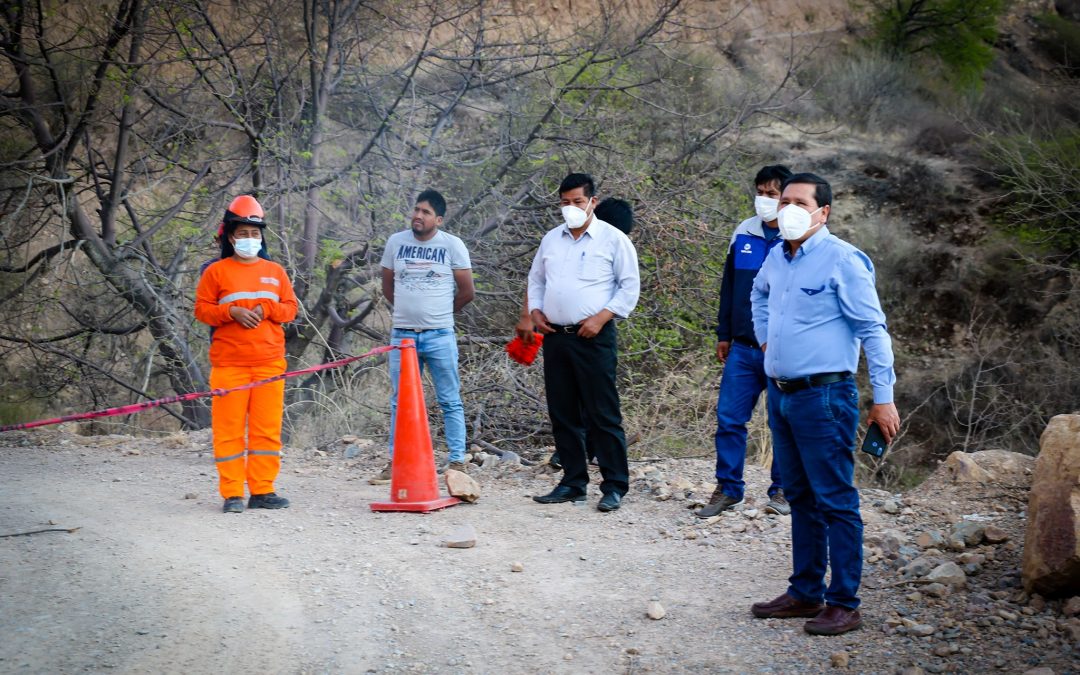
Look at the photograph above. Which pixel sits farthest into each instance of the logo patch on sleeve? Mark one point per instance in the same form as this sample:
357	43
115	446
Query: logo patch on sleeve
813	291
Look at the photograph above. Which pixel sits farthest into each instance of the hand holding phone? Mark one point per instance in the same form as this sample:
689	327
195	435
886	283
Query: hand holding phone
874	442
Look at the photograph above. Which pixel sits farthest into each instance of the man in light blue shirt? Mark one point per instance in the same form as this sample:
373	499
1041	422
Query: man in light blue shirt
814	306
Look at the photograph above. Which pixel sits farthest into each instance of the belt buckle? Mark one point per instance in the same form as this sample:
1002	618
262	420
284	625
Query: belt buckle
790	386
571	329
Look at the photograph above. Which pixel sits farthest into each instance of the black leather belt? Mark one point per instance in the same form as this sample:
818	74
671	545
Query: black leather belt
799	383
752	344
559	328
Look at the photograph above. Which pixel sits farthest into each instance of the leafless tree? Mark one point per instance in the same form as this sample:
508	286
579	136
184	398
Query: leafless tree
132	124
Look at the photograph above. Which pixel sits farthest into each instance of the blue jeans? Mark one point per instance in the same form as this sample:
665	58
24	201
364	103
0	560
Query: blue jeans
814	442
740	386
437	350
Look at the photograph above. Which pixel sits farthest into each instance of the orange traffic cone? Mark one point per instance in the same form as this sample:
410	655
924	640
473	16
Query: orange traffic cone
414	486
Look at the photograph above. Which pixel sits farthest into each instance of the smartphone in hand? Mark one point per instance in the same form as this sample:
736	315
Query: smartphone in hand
874	442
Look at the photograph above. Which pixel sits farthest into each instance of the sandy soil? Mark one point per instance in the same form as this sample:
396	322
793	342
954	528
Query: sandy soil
158	580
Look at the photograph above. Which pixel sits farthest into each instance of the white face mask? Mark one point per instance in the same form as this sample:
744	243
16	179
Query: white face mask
794	221
247	248
766	207
575	218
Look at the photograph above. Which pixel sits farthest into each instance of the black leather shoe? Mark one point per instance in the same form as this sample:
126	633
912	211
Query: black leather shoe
268	501
561	494
611	501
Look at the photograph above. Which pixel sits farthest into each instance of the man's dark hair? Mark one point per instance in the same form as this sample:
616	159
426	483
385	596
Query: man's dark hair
773	172
576	180
616	212
822	190
438	204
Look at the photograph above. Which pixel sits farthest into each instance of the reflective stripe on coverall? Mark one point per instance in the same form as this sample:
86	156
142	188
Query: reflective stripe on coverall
260	410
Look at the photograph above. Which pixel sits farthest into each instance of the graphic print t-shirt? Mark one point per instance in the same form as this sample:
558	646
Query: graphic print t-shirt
424	278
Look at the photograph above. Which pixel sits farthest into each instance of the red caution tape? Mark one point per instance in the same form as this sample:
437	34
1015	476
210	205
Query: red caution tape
146	405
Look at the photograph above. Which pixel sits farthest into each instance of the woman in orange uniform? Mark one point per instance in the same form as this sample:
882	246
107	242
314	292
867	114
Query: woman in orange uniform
246	298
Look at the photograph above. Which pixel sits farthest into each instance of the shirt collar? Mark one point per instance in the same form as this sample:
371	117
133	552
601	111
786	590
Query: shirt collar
810	244
592	231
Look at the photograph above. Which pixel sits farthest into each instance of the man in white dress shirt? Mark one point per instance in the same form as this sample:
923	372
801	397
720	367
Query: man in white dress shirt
584	275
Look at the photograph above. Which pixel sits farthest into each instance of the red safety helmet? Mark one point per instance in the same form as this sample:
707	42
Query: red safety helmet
244	209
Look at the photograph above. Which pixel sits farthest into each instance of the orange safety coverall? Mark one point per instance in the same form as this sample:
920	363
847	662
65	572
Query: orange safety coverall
239	356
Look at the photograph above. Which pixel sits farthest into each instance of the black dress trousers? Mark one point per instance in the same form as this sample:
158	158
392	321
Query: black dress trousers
579	374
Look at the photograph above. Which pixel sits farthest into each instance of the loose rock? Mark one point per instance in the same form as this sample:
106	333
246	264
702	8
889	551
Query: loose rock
930	539
461	485
462	537
1071	606
970	531
962	468
655	610
839	659
948	573
995	535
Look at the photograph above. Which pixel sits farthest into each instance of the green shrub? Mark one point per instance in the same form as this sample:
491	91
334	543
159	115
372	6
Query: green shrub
1041	179
959	34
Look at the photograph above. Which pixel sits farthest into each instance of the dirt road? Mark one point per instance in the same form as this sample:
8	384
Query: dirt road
156	582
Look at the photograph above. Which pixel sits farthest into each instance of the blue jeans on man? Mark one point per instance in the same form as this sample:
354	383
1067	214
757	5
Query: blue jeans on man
813	432
740	387
437	350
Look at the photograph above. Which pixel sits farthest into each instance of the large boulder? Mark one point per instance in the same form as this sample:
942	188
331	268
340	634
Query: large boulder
1051	564
989	466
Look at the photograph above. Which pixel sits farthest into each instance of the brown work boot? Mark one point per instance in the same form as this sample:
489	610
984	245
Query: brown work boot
384	476
717	503
834	621
785	607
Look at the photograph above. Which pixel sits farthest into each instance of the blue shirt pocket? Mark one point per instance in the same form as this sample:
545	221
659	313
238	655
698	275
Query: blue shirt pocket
749	252
815	302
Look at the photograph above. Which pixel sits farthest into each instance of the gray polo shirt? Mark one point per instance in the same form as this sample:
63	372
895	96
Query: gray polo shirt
424	286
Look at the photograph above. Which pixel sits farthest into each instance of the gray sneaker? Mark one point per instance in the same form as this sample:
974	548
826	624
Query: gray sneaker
778	504
457	466
384	476
717	503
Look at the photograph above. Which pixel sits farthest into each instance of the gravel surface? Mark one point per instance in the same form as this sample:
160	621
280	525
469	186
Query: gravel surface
157	579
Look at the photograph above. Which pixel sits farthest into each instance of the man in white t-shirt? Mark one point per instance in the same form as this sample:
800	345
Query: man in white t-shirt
427	276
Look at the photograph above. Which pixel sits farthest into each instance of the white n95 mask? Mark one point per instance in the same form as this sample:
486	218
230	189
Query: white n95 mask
794	221
766	207
574	217
247	248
